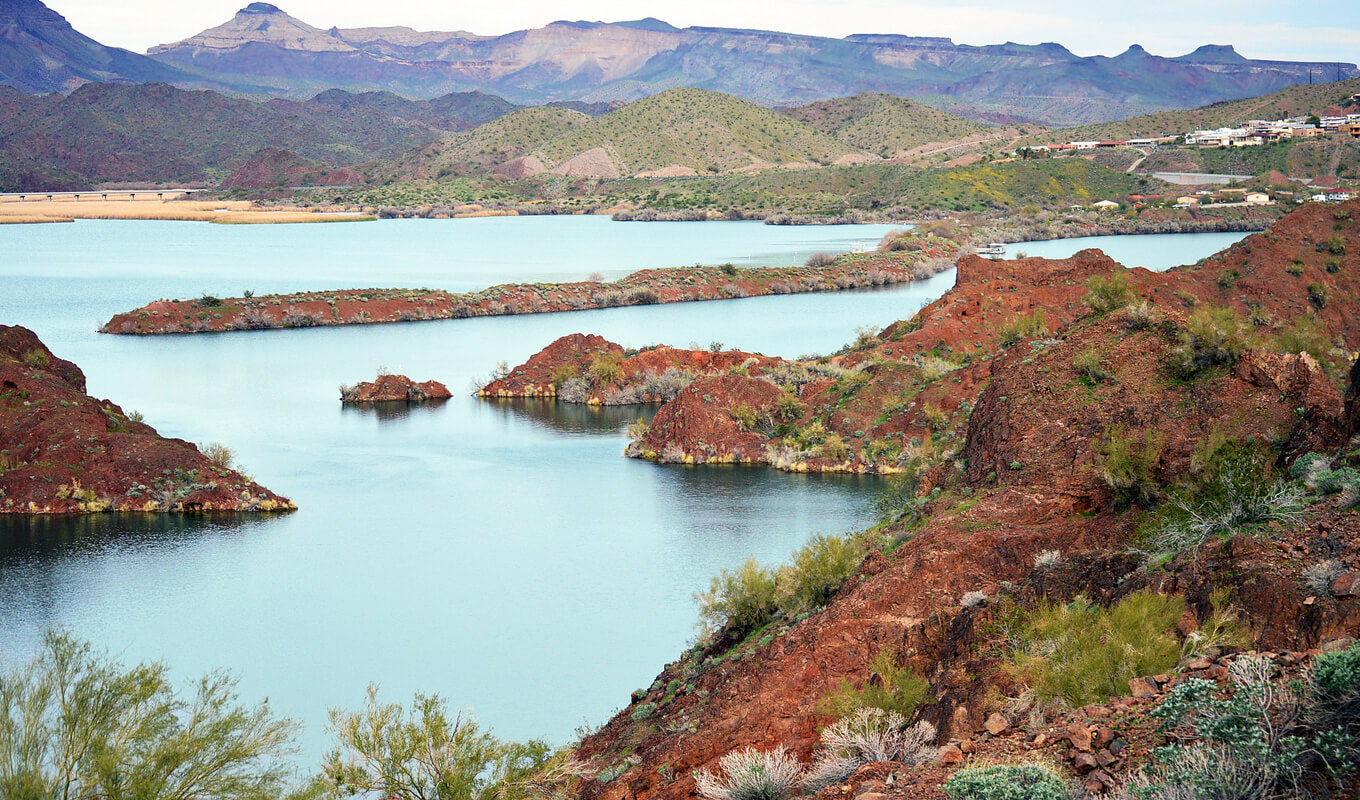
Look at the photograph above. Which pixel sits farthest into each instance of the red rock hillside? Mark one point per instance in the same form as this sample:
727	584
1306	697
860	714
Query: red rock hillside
64	452
1248	352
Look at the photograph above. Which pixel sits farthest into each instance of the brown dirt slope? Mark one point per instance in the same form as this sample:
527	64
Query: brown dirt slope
64	452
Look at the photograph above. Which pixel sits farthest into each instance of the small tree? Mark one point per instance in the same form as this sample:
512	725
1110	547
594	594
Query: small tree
76	724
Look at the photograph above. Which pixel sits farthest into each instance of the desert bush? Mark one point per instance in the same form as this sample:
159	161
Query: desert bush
1213	336
1335	245
1128	465
667	385
1306	334
749	774
1083	653
833	448
1263	738
898	500
562	374
1223	628
209	301
1024	326
889	687
75	723
740	601
1048	559
422	754
868	736
1319	294
35	358
642	296
574	390
817	572
605	368
1090	366
1006	782
1234	490
1141	316
1317	579
934	417
1106	293
820	260
220	455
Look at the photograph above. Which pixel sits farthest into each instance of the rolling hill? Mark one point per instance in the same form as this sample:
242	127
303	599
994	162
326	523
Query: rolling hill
672	134
1293	101
882	124
156	133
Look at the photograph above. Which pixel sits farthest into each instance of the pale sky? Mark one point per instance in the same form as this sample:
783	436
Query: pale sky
1317	30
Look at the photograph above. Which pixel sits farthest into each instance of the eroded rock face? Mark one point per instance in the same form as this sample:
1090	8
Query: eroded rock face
64	452
394	388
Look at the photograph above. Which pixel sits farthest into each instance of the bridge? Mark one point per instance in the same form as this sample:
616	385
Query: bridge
129	195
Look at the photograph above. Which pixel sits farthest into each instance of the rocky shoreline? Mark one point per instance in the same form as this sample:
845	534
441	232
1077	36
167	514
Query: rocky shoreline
64	452
208	314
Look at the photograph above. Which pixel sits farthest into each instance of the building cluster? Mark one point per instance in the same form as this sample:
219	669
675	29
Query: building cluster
1252	132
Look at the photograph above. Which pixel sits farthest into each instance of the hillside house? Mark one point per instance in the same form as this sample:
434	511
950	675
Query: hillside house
1351	129
1105	205
1258	199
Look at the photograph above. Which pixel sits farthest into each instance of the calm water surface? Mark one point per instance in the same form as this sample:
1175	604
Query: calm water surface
504	555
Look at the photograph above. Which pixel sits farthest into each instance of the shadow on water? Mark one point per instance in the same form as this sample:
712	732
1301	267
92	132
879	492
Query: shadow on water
24	538
573	418
392	410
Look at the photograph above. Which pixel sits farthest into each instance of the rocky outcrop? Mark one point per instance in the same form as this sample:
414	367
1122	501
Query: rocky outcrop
64	452
271	167
394	388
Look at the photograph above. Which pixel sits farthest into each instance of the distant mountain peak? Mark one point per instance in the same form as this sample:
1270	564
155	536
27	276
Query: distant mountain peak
261	8
262	23
1214	54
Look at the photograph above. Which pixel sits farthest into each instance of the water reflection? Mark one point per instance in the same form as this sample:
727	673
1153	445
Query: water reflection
392	410
39	537
573	418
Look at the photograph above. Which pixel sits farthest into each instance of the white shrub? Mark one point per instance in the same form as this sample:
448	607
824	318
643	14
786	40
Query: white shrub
868	736
749	774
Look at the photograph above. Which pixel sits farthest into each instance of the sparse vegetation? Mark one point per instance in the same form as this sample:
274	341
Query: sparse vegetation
1128	465
1006	782
889	687
37	359
1109	292
1024	326
1083	653
749	774
1213	336
868	736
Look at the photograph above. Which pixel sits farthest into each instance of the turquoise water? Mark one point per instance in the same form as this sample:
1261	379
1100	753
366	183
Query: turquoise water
505	555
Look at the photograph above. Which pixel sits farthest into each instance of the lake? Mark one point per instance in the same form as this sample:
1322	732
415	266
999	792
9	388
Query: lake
502	554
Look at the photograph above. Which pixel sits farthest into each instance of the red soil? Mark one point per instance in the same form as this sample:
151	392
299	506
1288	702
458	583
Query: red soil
64	452
683	284
390	388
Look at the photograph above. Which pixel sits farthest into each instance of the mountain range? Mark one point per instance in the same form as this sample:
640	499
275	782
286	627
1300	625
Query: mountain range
263	50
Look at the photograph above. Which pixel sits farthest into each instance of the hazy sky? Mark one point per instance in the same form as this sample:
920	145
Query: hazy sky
1322	30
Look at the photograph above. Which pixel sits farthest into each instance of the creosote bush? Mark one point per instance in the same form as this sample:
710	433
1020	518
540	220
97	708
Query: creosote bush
1213	336
1128	465
1006	782
742	601
1091	366
1083	653
35	358
749	774
1024	326
606	369
889	687
1108	293
220	455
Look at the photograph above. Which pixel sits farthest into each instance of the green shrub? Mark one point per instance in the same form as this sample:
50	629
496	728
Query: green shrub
1234	490
1083	653
1108	293
606	369
744	416
1213	336
818	570
1306	334
35	358
1335	245
833	448
1319	294
385	750
220	455
75	723
1222	629
898	500
740	601
562	374
1128	465
1090	366
1006	782
1024	326
889	687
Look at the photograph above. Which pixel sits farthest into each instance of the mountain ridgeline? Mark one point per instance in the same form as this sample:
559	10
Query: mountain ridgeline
263	50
